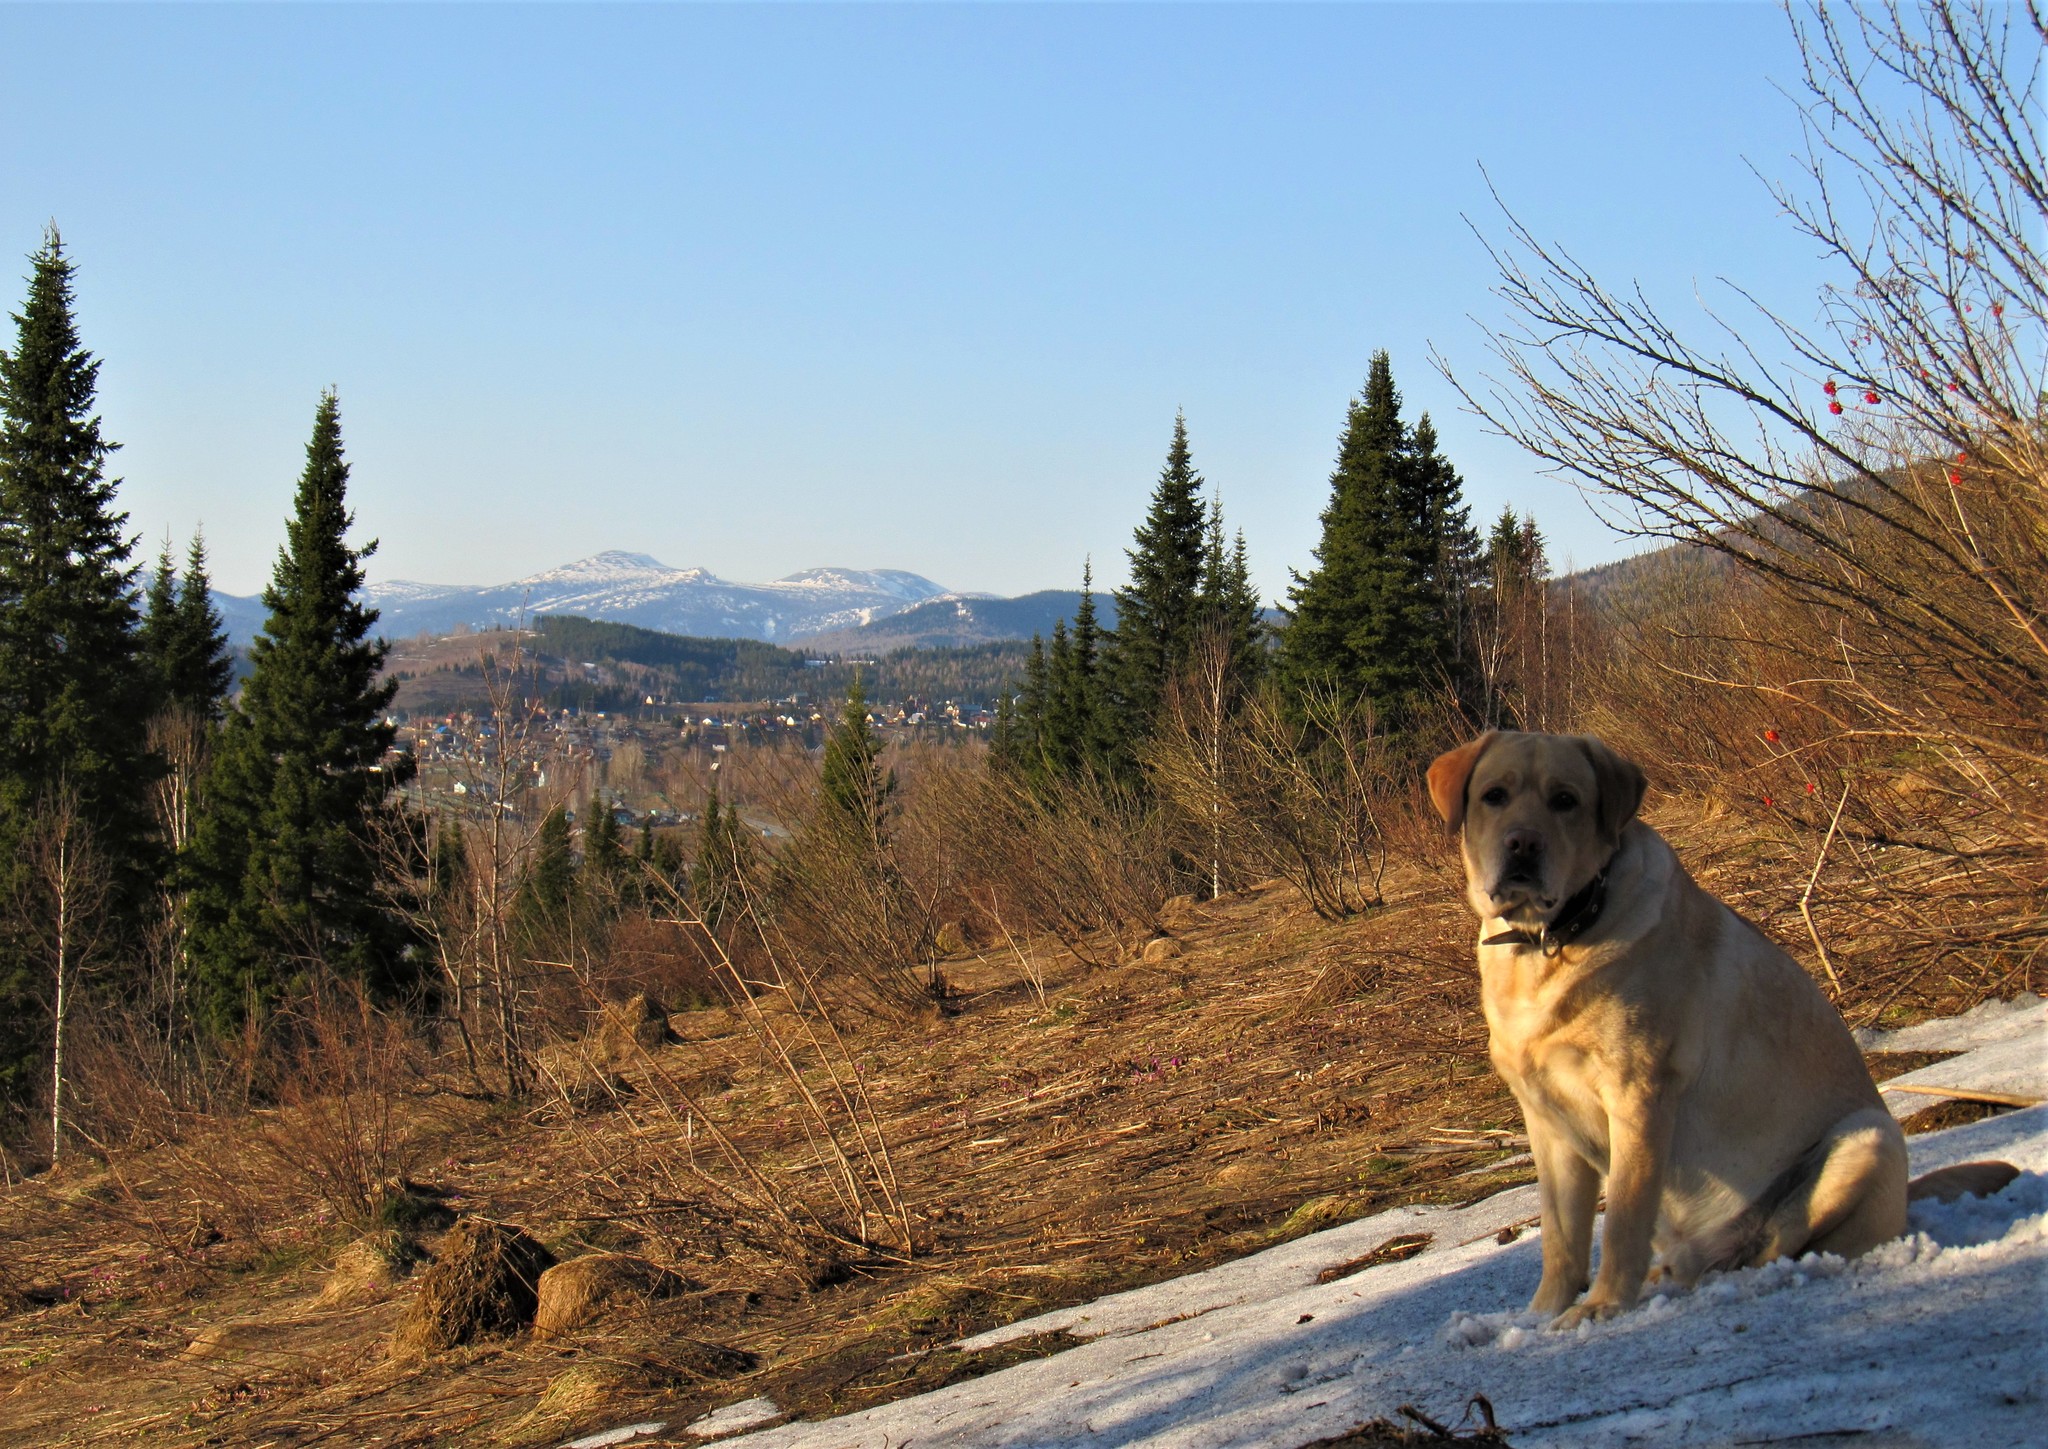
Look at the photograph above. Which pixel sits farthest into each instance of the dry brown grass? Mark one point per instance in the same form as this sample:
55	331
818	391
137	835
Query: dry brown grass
1131	1123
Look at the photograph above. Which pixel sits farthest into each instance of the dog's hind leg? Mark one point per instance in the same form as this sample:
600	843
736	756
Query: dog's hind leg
1848	1195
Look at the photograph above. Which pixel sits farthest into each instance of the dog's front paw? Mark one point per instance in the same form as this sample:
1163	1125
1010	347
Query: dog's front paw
1587	1312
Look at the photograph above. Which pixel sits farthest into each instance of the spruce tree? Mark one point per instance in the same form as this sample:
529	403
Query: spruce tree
200	666
1087	701
159	619
282	866
72	694
1449	556
854	789
1024	740
1370	619
719	874
73	697
1159	613
1058	742
184	643
547	888
1229	604
604	847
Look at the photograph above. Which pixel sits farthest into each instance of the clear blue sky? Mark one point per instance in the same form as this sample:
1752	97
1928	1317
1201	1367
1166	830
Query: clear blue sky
761	288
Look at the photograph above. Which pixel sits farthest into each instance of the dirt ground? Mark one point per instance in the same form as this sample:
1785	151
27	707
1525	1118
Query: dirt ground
1098	1130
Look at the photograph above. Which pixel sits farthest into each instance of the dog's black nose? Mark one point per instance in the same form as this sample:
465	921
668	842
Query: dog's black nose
1523	846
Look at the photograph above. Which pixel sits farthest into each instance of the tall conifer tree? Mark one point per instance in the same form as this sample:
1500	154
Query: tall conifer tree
159	617
546	898
72	697
1158	616
284	876
71	694
1374	617
1081	697
1021	722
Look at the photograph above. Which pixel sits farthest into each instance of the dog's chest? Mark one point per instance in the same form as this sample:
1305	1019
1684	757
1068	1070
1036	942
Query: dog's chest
1544	1045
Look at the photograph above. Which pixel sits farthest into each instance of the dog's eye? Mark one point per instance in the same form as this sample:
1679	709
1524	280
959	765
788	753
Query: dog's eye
1495	796
1564	800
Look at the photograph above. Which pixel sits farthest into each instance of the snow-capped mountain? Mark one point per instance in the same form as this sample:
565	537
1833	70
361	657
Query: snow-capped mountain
632	588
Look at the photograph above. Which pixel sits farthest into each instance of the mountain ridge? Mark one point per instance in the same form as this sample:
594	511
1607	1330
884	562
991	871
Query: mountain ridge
635	588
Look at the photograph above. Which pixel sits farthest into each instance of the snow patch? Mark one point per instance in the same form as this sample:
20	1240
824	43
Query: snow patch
617	1436
733	1417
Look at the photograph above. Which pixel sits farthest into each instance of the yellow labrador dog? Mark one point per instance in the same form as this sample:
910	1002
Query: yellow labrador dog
1655	1038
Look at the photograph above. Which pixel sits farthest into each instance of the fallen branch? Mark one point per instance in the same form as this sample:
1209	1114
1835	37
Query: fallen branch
1967	1094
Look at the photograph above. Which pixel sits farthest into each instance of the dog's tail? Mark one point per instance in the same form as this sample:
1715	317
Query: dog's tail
1965	1179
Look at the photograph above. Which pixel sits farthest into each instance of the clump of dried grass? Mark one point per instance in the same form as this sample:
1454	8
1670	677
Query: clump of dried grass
572	1294
485	1281
369	1267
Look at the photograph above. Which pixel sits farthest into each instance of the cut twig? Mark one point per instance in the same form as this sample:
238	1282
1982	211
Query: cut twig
1967	1094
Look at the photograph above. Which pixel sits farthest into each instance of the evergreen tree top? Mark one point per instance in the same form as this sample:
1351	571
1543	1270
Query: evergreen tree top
56	502
317	575
48	382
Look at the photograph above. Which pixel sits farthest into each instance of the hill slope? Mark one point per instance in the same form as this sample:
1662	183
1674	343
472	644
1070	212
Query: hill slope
952	621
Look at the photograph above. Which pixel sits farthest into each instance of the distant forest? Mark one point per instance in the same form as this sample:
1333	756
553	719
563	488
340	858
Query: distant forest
589	664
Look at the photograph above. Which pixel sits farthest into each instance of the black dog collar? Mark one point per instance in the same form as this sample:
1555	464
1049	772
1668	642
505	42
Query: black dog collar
1580	914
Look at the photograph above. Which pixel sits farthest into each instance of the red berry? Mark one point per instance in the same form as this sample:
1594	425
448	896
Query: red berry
1835	407
1769	801
1828	387
1809	787
1771	735
1998	309
1870	396
1954	478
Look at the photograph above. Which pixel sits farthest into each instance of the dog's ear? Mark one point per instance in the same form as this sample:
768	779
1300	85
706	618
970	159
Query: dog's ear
1447	776
1621	787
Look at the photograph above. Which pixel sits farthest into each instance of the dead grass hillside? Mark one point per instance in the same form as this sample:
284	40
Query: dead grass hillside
1101	1128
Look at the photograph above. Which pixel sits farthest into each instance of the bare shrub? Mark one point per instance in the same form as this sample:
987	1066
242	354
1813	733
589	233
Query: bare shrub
843	907
1870	494
1299	789
1923	865
340	1072
458	878
680	1165
1081	860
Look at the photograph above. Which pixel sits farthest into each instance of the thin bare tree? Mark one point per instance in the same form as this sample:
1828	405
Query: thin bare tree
62	900
512	770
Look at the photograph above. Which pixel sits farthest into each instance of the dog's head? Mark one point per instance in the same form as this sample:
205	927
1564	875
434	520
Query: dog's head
1540	815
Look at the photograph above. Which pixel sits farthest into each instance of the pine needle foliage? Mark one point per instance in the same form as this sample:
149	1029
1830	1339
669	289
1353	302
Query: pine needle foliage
1159	614
283	866
854	788
1380	616
72	699
184	641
